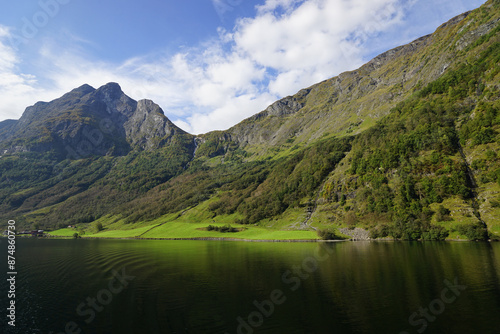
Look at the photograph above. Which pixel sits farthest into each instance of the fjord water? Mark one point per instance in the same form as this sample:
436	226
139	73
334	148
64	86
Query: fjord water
154	286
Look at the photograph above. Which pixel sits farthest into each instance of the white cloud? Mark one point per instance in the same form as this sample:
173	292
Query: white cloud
271	5
201	90
230	113
316	40
15	86
289	45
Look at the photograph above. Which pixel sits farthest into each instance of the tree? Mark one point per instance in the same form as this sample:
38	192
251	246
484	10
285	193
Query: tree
435	232
98	227
328	234
351	219
443	214
473	231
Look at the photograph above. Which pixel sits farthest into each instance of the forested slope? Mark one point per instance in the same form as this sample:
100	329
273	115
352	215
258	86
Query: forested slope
406	146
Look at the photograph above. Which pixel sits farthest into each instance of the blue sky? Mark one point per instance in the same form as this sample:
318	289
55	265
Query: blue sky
208	63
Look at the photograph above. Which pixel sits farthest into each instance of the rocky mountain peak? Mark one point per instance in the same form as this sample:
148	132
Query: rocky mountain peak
148	106
110	92
148	127
115	99
83	90
120	122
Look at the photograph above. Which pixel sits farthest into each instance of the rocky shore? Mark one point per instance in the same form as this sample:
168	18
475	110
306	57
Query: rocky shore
356	233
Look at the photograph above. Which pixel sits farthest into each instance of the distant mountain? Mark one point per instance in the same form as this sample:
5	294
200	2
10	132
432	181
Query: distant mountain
405	146
87	122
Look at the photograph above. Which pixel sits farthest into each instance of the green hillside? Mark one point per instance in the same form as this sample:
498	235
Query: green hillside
405	147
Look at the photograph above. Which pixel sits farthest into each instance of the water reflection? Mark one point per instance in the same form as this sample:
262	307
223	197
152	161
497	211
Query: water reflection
231	287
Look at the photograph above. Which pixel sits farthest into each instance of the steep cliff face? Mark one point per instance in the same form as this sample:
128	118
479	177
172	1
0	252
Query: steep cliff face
148	127
87	122
353	101
6	128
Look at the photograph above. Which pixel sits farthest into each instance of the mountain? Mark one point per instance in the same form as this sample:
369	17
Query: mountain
87	122
405	146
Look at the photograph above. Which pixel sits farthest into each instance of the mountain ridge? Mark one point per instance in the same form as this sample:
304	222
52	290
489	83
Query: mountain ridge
89	121
404	146
284	106
346	89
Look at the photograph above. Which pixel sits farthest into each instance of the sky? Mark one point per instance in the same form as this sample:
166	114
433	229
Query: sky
208	63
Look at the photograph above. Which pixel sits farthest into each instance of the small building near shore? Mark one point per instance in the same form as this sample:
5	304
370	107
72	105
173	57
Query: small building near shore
37	233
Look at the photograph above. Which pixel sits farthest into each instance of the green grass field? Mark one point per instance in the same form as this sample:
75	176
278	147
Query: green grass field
190	224
64	232
171	230
192	230
132	233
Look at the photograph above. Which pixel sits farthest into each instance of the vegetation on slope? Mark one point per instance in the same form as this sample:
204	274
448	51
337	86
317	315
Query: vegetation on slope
427	169
416	156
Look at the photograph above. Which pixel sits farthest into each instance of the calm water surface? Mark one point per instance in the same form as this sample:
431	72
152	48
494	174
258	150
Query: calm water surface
139	286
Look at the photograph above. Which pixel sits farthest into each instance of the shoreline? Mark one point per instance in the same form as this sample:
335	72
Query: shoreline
200	239
253	240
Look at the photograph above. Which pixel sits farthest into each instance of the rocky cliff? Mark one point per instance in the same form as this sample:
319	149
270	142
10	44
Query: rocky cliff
87	122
